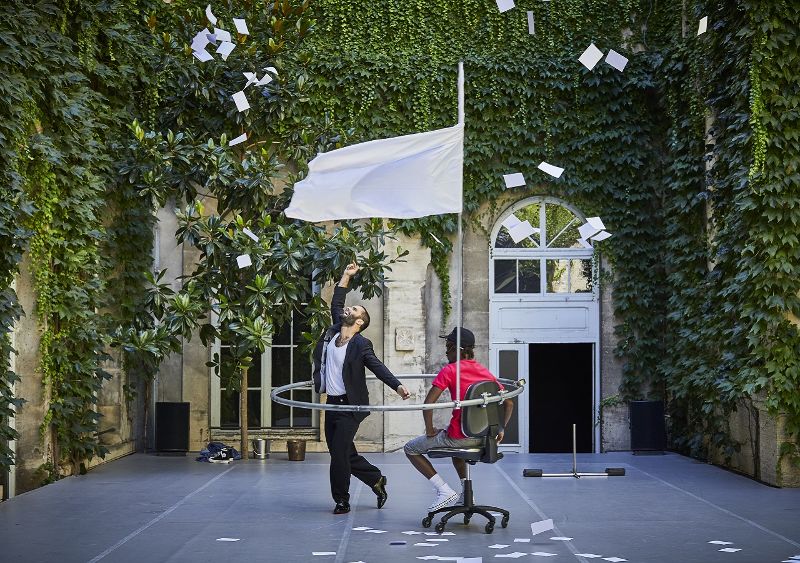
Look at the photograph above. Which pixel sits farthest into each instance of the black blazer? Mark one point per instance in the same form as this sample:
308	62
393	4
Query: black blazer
359	355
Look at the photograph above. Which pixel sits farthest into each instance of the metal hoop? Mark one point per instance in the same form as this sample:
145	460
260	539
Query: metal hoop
516	388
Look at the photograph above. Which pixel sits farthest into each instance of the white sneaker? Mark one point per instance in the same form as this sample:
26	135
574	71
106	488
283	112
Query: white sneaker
443	498
460	500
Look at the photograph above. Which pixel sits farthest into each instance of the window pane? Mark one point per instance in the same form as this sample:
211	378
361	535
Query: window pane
302	417
505	276
254	372
529	213
558	276
281	363
529	277
282	333
508	368
253	409
301	366
280	415
229	409
558	218
580	276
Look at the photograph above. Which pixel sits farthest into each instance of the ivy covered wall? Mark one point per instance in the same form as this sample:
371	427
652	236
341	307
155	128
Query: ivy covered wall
690	156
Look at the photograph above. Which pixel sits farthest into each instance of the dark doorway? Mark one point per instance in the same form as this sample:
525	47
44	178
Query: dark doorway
560	396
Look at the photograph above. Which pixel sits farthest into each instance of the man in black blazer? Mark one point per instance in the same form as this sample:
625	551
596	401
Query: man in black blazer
339	362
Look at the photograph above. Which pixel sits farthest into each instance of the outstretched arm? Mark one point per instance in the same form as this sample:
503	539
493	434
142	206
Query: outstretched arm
376	366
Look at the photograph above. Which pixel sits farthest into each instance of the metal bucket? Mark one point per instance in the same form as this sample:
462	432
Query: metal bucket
260	448
297	450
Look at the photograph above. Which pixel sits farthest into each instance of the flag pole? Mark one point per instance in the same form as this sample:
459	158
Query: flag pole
460	244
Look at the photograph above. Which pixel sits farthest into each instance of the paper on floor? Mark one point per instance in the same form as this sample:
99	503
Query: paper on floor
588	555
544	554
522	540
541	526
614	559
560	538
323	553
227	539
720	542
426	544
591	56
358	528
498	546
514	555
730	549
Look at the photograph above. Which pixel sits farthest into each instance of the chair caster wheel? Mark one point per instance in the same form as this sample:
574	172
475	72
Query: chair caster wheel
426	522
467	519
504	522
440	527
489	527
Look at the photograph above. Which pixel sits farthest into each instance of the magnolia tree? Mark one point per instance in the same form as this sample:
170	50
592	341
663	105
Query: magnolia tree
255	266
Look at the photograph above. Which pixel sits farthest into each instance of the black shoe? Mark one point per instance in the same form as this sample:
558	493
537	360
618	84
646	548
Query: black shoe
380	491
342	507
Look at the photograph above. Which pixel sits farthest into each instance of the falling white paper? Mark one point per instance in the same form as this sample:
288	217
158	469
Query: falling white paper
541	526
560	538
584	243
522	540
521	231
222	35
730	549
511	221
531	24
614	559
251	77
211	38
514	180
426	544
720	542
323	553
249	233
515	555
505	5
616	60
271	69
225	49
241	101
227	539
264	81
591	56
544	554
200	40
241	26
702	26
554	171
498	546
596	222
202	55
587	231
588	555
244	261
602	235
212	19
240	139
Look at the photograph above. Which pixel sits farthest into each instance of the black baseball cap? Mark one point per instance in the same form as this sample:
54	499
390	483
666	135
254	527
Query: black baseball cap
467	338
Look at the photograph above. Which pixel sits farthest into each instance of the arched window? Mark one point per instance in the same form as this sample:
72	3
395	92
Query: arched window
535	251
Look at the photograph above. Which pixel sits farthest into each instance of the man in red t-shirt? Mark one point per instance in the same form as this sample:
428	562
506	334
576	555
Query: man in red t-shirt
453	437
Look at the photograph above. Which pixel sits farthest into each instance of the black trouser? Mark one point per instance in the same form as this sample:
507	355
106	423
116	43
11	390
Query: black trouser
340	430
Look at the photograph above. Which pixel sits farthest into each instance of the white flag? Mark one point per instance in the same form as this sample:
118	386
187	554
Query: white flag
399	178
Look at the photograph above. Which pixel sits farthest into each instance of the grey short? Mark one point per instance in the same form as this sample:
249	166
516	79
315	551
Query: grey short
421	444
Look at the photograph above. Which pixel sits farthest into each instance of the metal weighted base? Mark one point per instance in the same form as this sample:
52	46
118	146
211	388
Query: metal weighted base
609	472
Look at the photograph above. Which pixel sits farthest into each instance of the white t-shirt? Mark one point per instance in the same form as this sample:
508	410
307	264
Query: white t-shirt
334	360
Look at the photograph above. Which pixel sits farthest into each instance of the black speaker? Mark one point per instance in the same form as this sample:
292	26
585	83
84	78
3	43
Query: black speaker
172	427
648	432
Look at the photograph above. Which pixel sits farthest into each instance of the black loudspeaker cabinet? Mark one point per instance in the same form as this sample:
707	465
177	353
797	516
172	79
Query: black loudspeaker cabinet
172	427
648	432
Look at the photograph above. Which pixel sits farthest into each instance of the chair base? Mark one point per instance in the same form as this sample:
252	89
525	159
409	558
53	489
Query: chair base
468	509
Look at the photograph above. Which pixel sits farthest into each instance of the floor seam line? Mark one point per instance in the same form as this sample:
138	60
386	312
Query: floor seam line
348	526
164	514
538	511
725	510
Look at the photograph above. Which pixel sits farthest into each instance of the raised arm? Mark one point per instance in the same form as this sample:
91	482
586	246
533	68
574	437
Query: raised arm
340	291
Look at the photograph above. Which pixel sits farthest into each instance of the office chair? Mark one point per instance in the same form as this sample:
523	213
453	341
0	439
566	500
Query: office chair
477	421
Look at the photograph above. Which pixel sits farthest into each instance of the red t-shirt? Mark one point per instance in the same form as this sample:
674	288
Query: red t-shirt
471	372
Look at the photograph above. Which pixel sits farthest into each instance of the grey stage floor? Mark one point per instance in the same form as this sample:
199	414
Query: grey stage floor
152	509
